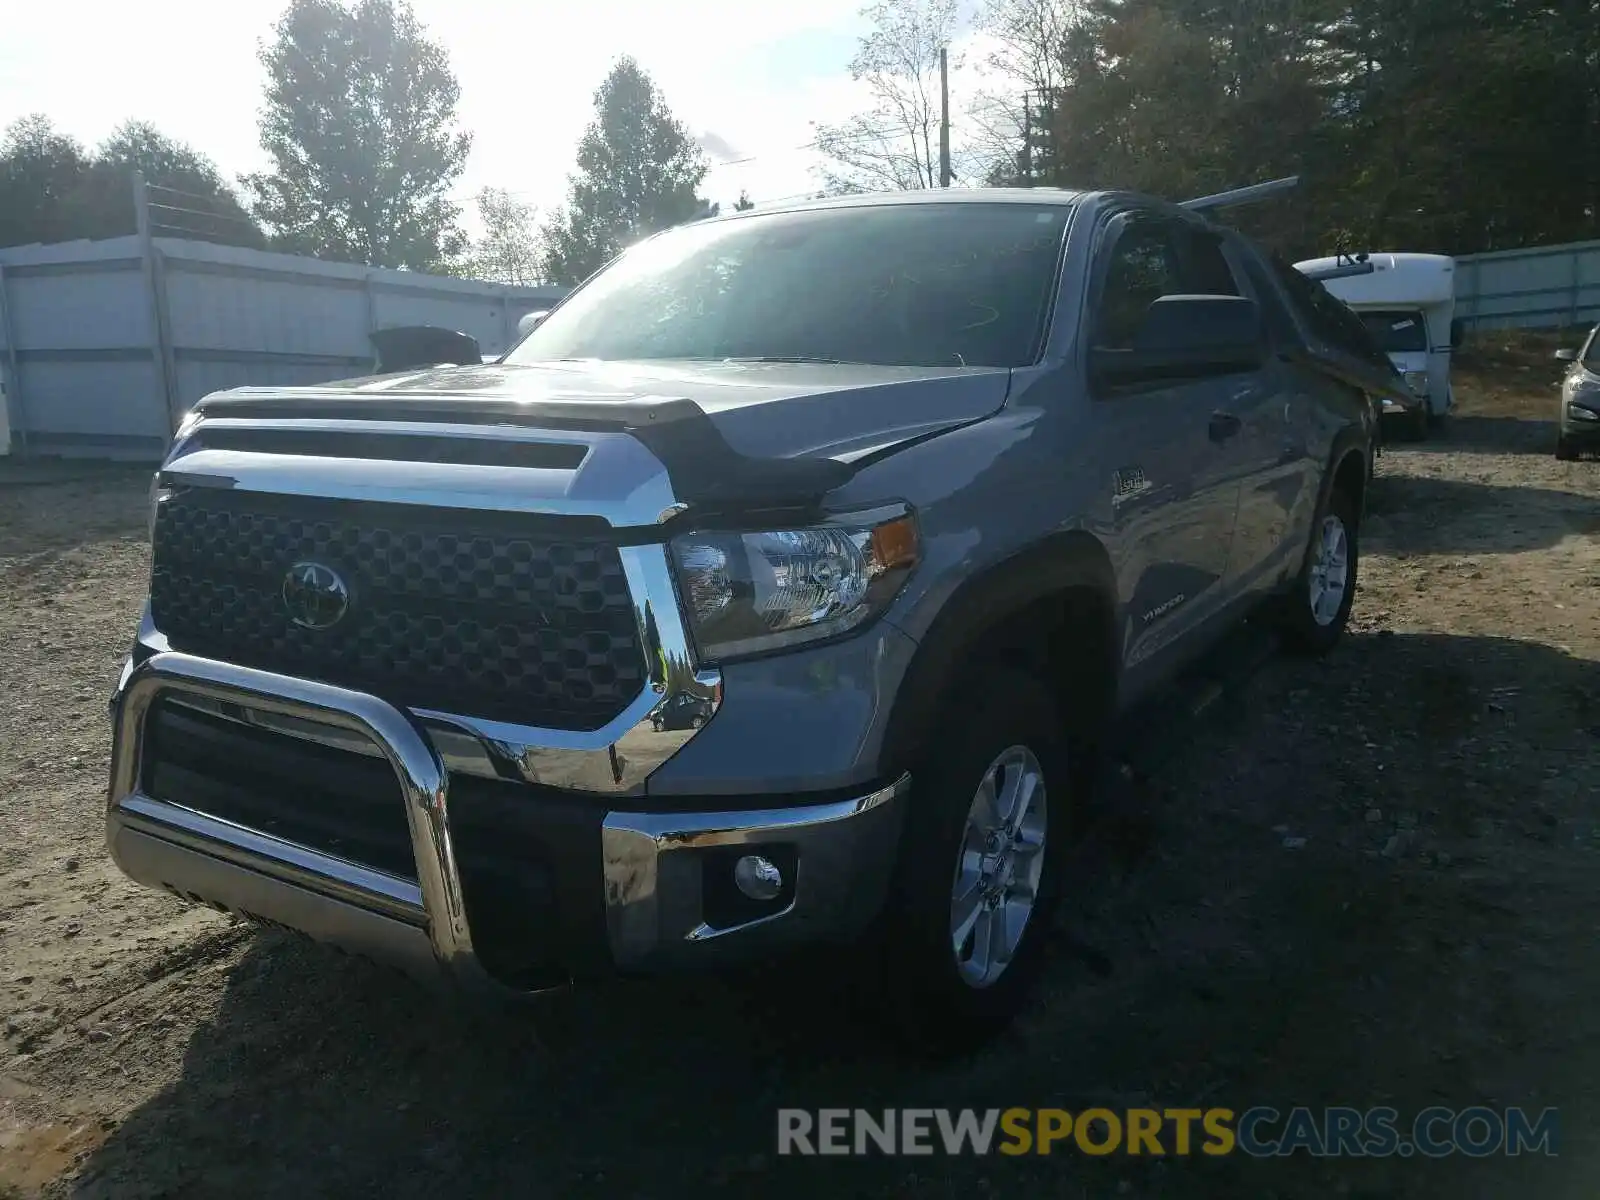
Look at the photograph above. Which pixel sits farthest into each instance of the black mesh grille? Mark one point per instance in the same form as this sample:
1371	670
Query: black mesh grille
486	614
335	801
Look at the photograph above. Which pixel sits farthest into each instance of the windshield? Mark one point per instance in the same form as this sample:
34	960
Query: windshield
1396	330
927	284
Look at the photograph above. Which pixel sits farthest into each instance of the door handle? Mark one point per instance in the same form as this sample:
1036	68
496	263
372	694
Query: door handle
1223	426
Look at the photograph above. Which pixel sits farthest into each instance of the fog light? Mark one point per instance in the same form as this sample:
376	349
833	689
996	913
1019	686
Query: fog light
757	878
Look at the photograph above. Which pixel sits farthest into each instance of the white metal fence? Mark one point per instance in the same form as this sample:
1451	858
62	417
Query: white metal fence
105	344
1545	287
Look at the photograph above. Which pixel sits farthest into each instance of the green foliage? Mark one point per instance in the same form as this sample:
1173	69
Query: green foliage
360	124
743	203
637	173
186	192
1446	125
51	190
39	171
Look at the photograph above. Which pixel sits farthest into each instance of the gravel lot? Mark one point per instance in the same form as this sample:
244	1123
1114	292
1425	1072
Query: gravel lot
1432	940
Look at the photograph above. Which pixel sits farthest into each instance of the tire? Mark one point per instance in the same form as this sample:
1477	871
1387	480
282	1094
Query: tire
1312	622
696	722
1404	427
1418	421
1565	450
938	993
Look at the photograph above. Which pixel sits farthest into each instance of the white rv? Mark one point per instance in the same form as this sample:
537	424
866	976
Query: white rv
1407	302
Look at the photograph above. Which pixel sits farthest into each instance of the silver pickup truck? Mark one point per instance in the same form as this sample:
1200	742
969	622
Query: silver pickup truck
776	590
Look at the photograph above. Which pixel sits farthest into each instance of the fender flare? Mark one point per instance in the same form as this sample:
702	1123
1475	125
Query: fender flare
1349	440
977	608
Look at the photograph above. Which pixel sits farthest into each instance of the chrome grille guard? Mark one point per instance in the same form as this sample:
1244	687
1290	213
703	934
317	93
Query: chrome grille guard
434	904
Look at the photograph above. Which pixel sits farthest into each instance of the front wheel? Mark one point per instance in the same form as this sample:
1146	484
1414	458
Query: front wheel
980	866
1317	607
1565	450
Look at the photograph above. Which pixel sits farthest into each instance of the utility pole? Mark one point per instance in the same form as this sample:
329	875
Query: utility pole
1025	157
155	284
944	117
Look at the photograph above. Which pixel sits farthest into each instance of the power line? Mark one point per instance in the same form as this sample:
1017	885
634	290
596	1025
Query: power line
182	231
845	138
196	212
161	187
811	195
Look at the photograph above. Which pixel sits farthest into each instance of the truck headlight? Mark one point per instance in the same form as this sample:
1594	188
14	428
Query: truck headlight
1579	413
1417	381
158	493
748	593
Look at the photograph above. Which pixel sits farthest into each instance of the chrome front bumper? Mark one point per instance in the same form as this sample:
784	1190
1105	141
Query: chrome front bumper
649	879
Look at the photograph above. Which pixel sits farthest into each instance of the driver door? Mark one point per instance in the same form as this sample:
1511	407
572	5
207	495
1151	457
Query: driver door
1173	452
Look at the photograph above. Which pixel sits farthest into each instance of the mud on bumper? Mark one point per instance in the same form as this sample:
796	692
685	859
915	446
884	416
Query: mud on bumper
496	884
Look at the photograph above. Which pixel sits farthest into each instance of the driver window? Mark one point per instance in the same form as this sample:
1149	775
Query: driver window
1206	269
1143	267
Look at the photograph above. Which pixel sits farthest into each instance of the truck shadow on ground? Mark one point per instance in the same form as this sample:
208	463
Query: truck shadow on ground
1428	942
1487	435
1419	514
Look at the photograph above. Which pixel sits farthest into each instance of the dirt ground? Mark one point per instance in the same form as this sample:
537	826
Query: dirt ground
1431	941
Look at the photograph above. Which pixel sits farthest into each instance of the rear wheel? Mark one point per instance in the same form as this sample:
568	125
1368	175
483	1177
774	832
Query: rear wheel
1317	608
979	870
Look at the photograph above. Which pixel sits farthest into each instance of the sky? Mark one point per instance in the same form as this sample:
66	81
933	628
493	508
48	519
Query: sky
747	77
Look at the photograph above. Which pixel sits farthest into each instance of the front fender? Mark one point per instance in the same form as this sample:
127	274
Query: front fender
979	608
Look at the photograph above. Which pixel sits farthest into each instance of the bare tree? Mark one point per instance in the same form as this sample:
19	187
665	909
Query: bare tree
510	250
894	145
1029	66
1031	37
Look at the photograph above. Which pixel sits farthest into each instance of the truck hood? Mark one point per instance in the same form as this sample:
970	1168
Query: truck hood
760	410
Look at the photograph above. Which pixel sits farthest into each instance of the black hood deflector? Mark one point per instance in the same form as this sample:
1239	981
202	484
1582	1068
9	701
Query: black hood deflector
730	434
705	470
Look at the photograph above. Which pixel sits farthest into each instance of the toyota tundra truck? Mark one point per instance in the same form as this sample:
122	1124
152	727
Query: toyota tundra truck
777	590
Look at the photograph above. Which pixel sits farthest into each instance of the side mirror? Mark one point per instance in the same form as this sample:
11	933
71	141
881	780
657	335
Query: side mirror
409	347
528	323
1186	337
1458	333
1566	356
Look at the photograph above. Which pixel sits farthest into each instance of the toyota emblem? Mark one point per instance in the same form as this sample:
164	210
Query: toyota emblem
314	595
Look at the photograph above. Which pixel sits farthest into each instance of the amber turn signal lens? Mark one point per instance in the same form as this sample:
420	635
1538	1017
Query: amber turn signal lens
894	544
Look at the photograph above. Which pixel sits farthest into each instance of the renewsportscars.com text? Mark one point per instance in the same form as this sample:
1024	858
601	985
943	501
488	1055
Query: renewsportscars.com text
1259	1132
